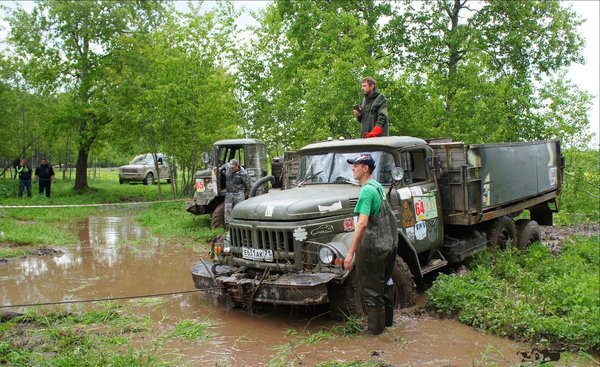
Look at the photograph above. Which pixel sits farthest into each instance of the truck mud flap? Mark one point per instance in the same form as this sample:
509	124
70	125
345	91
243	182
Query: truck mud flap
286	289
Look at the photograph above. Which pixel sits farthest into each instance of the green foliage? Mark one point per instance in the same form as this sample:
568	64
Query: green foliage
581	188
532	296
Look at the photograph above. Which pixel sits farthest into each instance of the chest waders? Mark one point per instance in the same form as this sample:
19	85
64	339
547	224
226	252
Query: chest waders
375	262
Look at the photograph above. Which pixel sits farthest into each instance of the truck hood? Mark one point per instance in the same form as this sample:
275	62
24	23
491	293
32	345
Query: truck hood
134	166
299	203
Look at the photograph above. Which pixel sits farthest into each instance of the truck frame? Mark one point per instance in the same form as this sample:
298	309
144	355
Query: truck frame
450	200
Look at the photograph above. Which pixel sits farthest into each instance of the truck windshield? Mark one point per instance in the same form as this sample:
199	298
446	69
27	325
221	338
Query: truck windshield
334	168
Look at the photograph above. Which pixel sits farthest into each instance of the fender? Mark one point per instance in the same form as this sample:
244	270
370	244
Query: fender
408	253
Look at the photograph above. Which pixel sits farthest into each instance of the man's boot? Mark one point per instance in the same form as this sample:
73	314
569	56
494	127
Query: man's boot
389	298
375	319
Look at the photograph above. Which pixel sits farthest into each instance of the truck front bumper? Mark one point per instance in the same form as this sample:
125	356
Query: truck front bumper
285	289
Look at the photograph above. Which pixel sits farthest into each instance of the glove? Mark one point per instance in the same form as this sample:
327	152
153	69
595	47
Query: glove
377	131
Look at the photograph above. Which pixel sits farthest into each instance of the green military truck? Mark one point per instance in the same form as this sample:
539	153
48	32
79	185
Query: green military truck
209	188
450	200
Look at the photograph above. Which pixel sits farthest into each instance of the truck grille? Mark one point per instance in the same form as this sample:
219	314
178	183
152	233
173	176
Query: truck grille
280	241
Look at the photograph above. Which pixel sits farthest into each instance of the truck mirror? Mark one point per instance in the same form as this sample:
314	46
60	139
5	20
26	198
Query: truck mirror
397	174
205	157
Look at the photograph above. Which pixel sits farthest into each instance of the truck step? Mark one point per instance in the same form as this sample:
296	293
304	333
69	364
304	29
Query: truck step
433	265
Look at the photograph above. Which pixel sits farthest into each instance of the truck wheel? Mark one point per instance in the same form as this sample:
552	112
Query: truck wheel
121	181
528	232
502	233
403	284
345	299
218	216
149	180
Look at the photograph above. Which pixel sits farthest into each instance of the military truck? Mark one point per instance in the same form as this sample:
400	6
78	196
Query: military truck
209	188
450	200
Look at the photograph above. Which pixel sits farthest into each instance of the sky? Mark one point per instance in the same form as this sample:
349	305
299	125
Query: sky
586	76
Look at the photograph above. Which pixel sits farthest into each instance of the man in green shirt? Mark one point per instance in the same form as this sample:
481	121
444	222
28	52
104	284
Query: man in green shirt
374	246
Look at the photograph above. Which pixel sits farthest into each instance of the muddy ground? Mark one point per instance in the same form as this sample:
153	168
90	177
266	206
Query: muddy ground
116	258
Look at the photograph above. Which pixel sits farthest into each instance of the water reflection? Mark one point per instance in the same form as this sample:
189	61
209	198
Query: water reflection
114	257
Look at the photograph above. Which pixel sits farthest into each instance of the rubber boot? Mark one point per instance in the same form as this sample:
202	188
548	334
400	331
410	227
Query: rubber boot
389	298
375	320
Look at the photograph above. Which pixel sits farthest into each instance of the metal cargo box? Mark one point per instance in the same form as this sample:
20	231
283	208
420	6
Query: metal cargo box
484	181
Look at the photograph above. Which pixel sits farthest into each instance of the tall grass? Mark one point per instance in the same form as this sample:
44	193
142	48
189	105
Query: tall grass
580	198
533	296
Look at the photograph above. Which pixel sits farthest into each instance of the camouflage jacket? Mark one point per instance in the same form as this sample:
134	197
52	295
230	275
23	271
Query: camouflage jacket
237	182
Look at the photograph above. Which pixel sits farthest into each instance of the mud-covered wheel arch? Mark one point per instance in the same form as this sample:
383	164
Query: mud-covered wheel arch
405	288
218	216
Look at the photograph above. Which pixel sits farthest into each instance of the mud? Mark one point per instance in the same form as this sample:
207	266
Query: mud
555	237
116	257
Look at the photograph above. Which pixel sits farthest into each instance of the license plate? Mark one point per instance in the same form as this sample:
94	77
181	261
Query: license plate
257	254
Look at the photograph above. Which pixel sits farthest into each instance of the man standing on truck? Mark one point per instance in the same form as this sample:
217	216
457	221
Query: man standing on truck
237	184
374	246
372	112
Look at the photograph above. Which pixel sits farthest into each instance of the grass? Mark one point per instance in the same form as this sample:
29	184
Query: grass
105	189
192	330
534	296
93	338
171	220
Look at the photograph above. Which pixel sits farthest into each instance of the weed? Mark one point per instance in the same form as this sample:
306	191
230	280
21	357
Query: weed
531	296
192	330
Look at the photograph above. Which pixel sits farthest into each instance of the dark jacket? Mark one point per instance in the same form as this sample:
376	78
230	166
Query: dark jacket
24	172
374	111
44	172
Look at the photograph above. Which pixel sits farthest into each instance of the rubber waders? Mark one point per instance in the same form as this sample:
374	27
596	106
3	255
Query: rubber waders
375	319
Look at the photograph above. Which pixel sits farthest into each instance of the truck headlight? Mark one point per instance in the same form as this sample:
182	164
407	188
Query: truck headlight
326	255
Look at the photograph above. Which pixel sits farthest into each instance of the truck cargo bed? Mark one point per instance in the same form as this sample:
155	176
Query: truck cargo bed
480	182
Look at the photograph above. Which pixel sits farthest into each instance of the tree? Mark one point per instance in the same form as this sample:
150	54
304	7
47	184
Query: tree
63	48
300	75
478	66
173	88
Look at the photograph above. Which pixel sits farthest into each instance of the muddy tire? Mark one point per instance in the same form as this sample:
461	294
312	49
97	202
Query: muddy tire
502	233
149	179
528	232
218	216
345	299
404	285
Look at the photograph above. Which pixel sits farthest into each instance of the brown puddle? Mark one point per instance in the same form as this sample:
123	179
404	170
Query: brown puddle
116	257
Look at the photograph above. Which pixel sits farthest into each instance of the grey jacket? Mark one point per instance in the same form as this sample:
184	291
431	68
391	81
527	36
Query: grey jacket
374	111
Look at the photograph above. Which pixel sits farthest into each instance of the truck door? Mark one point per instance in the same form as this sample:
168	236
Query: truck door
418	198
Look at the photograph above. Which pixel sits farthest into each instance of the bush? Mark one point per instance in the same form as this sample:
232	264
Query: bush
533	296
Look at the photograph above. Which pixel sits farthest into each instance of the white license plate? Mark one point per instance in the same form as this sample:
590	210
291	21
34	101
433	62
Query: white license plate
257	254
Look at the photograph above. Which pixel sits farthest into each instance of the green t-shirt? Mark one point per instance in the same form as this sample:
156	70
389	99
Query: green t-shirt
369	198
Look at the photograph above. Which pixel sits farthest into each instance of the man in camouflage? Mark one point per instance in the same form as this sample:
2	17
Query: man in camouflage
237	186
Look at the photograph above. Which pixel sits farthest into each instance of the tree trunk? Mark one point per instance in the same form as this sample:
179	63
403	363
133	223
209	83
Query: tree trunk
81	169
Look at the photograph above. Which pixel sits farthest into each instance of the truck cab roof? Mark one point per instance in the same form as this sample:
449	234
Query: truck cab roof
246	141
392	142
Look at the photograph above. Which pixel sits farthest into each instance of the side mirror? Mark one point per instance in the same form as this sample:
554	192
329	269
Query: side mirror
205	157
397	174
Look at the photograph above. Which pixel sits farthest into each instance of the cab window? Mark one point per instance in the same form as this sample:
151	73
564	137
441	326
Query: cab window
413	164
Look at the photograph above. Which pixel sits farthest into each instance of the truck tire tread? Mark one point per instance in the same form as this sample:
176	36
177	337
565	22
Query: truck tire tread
502	233
528	232
217	218
405	288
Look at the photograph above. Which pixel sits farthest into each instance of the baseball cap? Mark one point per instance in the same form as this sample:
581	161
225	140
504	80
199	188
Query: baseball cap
363	159
234	162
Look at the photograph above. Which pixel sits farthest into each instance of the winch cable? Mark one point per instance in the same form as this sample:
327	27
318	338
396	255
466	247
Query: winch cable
109	298
85	205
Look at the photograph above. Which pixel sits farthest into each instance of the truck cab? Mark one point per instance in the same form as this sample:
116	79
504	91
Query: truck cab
209	187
